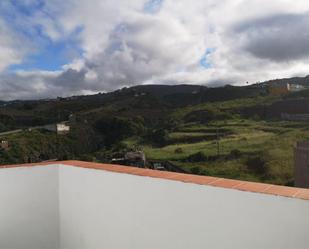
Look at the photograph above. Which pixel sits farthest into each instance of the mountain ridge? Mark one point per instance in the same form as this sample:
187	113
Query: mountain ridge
160	90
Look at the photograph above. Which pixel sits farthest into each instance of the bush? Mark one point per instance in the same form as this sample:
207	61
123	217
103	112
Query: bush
178	151
195	170
157	137
235	153
257	165
116	129
2	127
197	157
256	117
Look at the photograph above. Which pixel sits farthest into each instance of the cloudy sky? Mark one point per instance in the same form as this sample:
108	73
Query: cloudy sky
51	48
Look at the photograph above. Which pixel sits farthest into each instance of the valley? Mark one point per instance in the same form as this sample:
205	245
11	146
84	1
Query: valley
231	132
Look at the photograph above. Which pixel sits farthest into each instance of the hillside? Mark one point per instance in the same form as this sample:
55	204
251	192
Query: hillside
234	132
295	80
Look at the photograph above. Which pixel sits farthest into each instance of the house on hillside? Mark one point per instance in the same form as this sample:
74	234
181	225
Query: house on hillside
284	89
138	158
60	128
295	87
4	145
279	89
131	158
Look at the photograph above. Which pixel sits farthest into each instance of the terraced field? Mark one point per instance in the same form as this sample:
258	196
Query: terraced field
241	149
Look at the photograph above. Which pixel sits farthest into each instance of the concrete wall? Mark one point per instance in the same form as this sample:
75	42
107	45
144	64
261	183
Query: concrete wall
295	117
301	167
29	208
100	209
41	207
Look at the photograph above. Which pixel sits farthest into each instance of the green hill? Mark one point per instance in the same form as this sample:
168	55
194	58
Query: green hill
230	131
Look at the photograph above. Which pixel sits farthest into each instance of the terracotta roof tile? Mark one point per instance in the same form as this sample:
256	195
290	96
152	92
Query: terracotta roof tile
281	190
263	188
303	194
226	183
253	187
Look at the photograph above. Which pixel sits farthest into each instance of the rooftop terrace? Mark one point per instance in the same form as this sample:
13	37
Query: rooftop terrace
74	204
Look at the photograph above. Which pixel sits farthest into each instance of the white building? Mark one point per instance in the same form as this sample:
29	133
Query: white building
60	128
81	205
4	144
295	87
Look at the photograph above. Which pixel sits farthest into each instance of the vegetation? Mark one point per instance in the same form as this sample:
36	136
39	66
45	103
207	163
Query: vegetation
232	132
257	150
39	145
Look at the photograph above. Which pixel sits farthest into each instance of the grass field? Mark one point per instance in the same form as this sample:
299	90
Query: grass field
251	150
232	137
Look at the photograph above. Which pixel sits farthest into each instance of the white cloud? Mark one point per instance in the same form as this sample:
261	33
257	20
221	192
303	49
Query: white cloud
11	49
253	40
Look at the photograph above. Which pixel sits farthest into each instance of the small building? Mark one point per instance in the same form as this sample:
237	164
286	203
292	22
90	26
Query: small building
60	128
295	87
301	167
136	158
4	145
131	158
279	89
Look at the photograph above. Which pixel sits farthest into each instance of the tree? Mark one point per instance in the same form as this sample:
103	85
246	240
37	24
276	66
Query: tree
116	129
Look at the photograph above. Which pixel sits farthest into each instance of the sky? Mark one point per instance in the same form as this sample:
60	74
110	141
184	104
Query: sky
51	48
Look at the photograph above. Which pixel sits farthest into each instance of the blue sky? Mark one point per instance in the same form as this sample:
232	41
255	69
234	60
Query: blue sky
153	6
50	56
46	53
205	60
54	48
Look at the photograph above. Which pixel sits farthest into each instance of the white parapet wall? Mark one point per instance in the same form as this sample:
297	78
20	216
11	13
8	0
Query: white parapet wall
29	213
60	206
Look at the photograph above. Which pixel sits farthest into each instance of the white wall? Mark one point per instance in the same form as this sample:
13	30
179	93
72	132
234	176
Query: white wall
29	208
100	209
94	209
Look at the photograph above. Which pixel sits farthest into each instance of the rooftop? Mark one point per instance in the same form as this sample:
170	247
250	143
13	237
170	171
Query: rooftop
74	204
263	188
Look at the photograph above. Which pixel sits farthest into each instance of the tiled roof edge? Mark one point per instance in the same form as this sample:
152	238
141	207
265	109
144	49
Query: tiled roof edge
263	188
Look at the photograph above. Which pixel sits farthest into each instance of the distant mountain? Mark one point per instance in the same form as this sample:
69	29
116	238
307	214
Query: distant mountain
294	81
180	123
174	91
182	95
163	90
152	102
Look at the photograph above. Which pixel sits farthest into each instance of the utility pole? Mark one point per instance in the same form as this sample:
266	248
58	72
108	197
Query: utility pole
218	143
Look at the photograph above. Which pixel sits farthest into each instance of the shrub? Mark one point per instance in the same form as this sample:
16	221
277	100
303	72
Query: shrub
235	153
197	157
2	127
256	117
178	150
157	137
116	128
257	165
195	170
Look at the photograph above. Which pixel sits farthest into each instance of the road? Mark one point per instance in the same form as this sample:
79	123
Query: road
29	129
10	132
20	130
